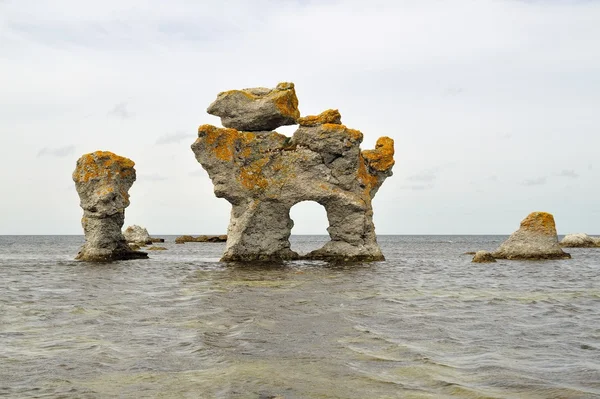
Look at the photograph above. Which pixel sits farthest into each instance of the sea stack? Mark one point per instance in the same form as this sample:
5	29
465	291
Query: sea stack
263	174
102	180
579	240
536	239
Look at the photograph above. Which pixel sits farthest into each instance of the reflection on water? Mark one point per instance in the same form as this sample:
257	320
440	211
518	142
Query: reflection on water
426	323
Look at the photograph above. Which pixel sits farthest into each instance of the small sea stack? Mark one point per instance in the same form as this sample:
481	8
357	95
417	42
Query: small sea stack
579	240
536	239
102	180
483	257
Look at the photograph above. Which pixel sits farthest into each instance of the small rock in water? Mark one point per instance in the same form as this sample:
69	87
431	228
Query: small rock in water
137	235
579	240
536	239
483	257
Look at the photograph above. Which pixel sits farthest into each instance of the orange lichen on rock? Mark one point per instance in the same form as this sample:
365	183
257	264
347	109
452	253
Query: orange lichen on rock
332	116
353	134
252	176
102	164
220	140
365	178
287	103
382	157
540	222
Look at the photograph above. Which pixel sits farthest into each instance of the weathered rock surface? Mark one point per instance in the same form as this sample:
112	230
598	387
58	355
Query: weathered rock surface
203	238
102	180
257	109
137	235
535	239
483	257
263	174
579	240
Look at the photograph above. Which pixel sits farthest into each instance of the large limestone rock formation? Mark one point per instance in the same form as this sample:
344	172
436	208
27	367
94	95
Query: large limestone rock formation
102	180
579	240
264	173
137	235
535	239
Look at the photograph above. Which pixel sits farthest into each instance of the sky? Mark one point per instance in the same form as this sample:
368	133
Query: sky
494	105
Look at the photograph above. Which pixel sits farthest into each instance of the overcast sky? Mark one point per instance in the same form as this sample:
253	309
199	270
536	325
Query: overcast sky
494	105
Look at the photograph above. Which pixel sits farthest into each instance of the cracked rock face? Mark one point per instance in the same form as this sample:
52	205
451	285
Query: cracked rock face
264	173
102	180
536	239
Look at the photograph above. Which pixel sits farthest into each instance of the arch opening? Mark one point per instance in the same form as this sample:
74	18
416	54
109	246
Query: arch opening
310	227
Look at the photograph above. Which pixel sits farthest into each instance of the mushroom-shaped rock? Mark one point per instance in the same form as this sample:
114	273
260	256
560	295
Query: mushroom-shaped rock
536	239
137	235
483	257
579	240
264	174
102	180
257	109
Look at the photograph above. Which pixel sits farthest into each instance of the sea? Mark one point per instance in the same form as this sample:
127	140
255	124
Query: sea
424	323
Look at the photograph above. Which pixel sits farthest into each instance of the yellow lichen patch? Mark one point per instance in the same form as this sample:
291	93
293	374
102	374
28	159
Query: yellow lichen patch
102	164
237	92
539	222
330	116
353	134
365	178
382	157
287	103
252	177
222	140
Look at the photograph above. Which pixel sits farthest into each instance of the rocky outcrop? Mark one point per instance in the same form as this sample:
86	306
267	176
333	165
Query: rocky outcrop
102	180
137	235
264	173
579	240
535	239
483	257
257	109
184	239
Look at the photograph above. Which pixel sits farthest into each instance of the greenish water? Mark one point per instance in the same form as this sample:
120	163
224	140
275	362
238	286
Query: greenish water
425	323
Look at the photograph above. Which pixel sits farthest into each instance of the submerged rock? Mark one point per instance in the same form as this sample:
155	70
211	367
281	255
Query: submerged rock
154	248
137	235
203	238
263	174
257	109
102	180
579	240
535	239
483	257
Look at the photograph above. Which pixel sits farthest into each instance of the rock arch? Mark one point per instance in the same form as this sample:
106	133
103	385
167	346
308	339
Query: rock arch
263	174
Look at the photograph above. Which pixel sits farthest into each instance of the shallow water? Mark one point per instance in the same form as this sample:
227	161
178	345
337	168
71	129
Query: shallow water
425	323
